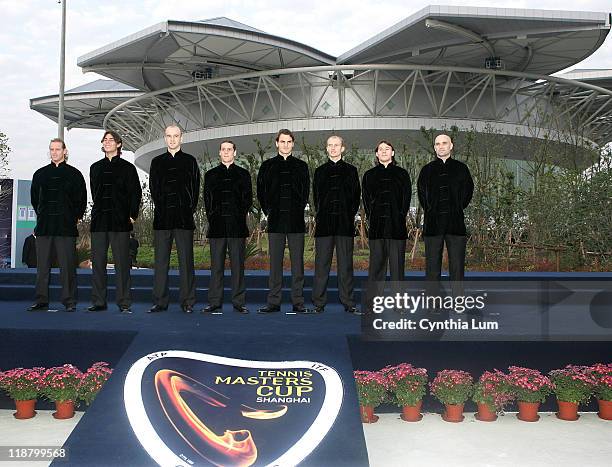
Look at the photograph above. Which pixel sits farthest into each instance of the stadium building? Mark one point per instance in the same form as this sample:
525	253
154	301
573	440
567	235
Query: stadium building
474	68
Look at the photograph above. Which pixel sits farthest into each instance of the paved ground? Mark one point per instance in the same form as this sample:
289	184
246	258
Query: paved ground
393	442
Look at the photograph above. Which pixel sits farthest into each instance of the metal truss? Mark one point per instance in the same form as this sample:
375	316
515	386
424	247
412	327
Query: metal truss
563	108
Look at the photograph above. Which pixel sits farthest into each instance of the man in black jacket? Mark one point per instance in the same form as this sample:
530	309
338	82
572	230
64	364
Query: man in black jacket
283	186
59	197
445	189
228	196
386	191
116	193
175	187
336	198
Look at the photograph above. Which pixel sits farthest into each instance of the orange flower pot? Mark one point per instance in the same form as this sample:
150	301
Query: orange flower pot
528	411
567	411
485	414
367	414
25	409
412	413
605	409
63	410
453	413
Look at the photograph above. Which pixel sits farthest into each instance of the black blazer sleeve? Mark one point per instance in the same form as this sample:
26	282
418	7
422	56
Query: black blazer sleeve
406	194
207	195
195	186
367	196
304	186
81	195
468	190
135	192
422	188
356	191
34	192
154	182
247	193
262	195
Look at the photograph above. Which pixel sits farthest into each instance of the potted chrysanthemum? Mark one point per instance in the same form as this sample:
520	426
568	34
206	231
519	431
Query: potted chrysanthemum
60	385
23	386
92	381
371	391
491	393
530	388
452	388
602	374
572	385
407	386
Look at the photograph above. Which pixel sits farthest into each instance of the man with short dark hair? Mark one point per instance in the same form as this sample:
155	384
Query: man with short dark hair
336	193
386	191
228	196
445	189
116	194
283	186
175	189
59	198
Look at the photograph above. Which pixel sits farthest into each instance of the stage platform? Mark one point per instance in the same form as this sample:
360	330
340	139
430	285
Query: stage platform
333	338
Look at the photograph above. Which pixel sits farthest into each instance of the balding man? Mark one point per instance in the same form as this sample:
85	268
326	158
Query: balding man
445	189
175	189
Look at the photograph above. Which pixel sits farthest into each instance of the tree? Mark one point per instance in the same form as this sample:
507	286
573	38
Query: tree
4	153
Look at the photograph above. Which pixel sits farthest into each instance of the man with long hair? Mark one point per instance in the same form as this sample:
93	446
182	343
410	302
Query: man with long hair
116	193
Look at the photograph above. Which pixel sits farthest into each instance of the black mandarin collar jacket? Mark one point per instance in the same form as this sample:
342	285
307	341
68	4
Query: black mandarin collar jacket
116	193
59	197
283	187
460	191
336	193
228	196
386	199
175	189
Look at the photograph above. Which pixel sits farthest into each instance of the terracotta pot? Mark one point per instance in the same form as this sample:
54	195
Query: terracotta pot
485	414
25	409
567	411
528	411
605	409
453	413
412	413
63	410
367	414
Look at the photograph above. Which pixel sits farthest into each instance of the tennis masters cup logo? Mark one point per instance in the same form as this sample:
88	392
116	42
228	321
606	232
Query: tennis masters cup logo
188	408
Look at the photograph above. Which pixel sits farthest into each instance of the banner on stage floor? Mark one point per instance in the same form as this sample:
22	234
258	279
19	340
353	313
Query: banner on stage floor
189	408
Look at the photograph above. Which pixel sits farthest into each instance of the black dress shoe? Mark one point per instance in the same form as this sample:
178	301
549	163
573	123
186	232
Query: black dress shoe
187	308
241	309
156	309
97	308
125	309
353	310
269	309
38	307
318	309
70	308
302	309
210	309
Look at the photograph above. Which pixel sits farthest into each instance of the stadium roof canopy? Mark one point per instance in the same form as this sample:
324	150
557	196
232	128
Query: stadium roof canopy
442	66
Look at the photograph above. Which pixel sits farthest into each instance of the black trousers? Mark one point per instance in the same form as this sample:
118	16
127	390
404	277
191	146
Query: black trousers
276	247
120	244
162	242
219	247
324	251
455	246
387	251
384	252
65	248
